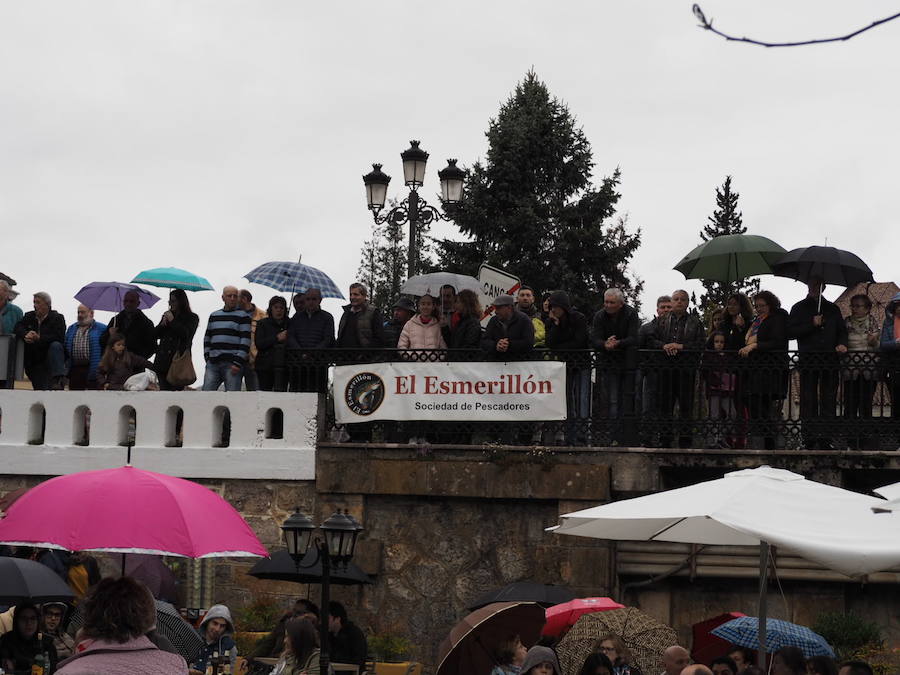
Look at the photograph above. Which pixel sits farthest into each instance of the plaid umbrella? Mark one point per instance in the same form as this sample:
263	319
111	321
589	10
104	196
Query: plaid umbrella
169	623
743	632
293	277
645	637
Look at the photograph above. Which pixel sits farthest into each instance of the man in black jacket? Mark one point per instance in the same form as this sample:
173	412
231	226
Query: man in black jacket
44	334
131	323
821	335
680	335
614	334
567	330
311	328
509	334
348	642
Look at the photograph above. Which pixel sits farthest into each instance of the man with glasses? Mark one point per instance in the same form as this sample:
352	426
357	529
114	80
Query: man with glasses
52	614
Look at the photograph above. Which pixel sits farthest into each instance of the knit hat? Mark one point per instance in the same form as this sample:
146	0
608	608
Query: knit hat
560	299
538	655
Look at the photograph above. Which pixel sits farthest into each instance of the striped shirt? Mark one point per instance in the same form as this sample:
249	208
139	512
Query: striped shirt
227	336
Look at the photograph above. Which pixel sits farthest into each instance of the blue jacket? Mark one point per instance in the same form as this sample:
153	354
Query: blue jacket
95	332
888	343
10	315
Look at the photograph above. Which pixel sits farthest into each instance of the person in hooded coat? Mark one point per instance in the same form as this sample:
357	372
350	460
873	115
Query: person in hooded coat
541	661
217	631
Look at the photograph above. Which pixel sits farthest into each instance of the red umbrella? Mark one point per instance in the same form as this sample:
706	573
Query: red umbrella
706	646
563	616
128	510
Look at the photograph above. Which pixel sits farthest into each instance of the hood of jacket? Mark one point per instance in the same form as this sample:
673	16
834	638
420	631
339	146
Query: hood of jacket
538	655
889	308
218	612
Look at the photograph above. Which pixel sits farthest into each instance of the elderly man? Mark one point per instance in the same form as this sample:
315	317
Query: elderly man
226	343
509	334
614	334
697	669
43	332
821	335
525	304
83	349
132	324
680	335
675	659
311	328
251	382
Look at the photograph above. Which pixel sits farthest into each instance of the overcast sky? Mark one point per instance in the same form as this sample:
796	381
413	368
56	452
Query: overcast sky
218	135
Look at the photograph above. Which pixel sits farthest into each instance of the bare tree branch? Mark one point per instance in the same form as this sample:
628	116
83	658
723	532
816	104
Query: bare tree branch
707	25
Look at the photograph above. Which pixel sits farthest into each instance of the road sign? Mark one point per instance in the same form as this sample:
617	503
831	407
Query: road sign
494	282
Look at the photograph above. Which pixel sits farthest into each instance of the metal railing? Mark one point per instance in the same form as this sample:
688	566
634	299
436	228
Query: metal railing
769	400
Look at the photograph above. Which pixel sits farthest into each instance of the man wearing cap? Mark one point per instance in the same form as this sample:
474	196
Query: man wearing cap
509	333
312	328
404	309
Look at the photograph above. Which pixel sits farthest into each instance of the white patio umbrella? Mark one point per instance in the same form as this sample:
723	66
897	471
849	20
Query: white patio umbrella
763	506
431	283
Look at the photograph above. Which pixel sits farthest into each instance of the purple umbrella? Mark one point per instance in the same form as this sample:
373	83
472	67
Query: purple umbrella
109	295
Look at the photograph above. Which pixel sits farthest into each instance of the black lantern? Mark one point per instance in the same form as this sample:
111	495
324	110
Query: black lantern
376	182
341	531
452	179
298	530
414	160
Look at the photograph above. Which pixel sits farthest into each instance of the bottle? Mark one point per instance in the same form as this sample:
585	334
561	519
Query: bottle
209	668
216	661
37	668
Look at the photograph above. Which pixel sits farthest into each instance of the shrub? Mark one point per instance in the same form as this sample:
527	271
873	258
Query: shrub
387	647
848	633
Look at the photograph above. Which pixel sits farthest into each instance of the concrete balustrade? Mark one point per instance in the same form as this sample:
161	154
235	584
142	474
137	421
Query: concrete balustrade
255	435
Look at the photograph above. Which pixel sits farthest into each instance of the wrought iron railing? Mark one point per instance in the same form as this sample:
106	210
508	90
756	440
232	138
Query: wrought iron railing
767	400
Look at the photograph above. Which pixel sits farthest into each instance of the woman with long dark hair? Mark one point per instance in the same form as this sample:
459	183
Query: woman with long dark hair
118	364
466	333
736	320
301	649
20	647
175	332
271	346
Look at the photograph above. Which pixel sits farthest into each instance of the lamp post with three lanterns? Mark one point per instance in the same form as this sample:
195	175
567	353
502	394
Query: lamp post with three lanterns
335	548
413	209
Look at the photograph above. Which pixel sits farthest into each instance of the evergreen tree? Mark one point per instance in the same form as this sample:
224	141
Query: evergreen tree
726	219
531	208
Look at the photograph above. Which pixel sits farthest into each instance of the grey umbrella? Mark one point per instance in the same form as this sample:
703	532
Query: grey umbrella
281	567
22	580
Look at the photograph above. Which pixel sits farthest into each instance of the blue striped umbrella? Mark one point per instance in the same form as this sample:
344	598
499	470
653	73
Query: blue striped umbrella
293	277
743	632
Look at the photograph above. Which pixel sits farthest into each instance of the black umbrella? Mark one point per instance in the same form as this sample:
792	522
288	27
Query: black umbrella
281	567
832	265
526	591
169	623
22	579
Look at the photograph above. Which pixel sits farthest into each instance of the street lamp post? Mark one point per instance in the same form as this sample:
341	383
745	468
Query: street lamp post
334	549
413	209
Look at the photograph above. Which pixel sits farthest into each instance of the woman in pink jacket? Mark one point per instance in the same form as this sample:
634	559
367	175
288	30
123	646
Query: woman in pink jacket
117	615
423	331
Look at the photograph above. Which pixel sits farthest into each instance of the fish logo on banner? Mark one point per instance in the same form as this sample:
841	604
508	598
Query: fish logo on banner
364	393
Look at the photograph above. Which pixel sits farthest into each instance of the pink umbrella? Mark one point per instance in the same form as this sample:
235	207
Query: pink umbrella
563	616
127	510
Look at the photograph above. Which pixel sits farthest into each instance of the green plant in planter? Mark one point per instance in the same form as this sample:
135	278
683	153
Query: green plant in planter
260	615
387	647
848	633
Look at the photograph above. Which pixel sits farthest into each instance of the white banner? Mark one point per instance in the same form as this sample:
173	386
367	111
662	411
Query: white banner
477	391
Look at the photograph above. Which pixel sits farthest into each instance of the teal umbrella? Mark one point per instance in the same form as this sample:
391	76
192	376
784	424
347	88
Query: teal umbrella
172	277
730	258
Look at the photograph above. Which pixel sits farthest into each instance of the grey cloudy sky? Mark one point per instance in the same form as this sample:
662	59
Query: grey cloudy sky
218	135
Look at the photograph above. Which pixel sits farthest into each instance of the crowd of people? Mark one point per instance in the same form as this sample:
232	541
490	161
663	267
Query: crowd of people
738	361
610	656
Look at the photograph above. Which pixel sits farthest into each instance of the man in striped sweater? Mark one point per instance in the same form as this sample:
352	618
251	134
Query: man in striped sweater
226	343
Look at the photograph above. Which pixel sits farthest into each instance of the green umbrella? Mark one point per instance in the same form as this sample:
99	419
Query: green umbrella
172	277
730	258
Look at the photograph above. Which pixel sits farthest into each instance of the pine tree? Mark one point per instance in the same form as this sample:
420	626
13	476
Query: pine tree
531	208
726	219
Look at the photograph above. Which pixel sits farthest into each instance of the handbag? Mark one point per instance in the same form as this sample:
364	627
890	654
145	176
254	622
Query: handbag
181	371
